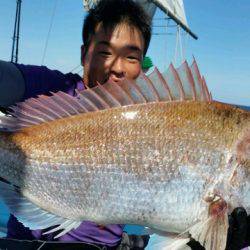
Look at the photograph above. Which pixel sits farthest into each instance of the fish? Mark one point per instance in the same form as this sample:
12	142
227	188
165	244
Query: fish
157	152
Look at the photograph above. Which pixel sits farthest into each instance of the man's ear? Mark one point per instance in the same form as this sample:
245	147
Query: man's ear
83	52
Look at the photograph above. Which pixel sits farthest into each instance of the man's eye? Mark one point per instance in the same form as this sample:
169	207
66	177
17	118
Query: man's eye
133	58
105	53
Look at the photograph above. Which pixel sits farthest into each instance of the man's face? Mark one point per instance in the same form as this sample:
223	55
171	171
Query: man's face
113	55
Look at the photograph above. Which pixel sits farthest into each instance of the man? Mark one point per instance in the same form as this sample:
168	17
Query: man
111	39
115	43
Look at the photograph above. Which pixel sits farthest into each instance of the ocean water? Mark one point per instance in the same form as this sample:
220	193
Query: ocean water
244	107
4	213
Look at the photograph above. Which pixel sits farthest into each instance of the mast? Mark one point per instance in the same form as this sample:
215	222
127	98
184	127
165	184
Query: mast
15	43
175	10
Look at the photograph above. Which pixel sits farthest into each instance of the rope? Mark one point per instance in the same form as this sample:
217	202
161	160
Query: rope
176	46
185	44
180	43
75	68
48	35
79	71
166	30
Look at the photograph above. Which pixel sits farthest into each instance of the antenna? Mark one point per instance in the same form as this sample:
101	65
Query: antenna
15	43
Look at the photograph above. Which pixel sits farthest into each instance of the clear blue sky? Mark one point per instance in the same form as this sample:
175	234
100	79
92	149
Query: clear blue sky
222	50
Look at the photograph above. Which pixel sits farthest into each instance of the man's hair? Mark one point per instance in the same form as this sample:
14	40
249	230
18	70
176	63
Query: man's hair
113	12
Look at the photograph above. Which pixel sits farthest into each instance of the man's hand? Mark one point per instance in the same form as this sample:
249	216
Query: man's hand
133	242
238	232
239	229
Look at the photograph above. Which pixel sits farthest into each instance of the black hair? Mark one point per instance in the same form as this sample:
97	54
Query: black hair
113	12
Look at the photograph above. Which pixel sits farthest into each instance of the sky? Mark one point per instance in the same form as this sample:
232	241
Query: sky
222	50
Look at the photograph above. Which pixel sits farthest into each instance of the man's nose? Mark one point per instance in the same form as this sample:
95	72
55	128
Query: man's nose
117	67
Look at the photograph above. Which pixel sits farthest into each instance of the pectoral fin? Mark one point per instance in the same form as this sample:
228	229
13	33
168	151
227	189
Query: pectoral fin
210	232
31	215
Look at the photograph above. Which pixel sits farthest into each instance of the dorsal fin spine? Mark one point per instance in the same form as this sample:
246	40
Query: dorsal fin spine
190	80
39	103
24	113
101	100
164	83
206	89
178	82
86	99
79	104
197	72
36	111
152	87
138	90
76	106
196	68
65	96
110	94
26	122
62	102
125	93
24	118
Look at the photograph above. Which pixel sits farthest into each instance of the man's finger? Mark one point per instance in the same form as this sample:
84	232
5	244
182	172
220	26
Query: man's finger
195	245
230	230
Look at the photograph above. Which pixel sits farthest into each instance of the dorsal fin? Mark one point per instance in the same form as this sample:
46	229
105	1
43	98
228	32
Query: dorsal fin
200	83
161	85
187	80
183	83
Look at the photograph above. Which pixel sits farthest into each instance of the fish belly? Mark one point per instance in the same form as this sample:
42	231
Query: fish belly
109	196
